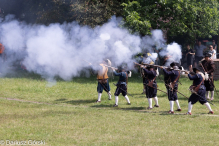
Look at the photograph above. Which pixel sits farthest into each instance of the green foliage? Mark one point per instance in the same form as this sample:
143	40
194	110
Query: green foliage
54	11
85	12
195	18
95	12
134	21
190	18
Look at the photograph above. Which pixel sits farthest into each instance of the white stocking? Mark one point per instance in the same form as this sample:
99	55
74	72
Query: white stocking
99	96
150	102
156	100
116	100
208	106
171	105
109	95
177	103
207	94
127	99
212	95
190	107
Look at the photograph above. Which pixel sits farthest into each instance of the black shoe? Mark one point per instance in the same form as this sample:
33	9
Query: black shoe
97	101
211	112
179	110
149	108
171	112
129	103
115	105
156	105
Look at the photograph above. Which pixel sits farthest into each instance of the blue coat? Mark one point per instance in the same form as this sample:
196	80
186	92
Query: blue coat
151	92
122	77
173	74
200	96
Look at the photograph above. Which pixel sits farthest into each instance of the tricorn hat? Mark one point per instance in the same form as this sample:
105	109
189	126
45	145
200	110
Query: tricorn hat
172	64
197	68
208	54
150	66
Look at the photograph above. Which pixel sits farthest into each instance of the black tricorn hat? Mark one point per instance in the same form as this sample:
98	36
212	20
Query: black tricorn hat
197	68
150	66
172	64
207	54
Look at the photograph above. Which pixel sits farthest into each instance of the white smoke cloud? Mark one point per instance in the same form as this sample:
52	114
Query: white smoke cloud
64	49
173	51
154	42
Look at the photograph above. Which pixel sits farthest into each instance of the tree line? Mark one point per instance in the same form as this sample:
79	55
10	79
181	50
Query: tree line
190	18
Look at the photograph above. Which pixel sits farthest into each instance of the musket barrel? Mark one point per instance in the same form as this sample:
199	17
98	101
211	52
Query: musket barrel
110	66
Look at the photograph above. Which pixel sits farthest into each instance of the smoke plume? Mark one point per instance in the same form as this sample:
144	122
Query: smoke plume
64	50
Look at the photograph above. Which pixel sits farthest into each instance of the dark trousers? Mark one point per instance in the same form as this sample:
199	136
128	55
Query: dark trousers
122	88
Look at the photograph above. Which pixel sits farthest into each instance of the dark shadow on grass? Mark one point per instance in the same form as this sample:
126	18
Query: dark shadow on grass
102	105
133	108
137	96
76	102
148	111
62	99
175	113
183	98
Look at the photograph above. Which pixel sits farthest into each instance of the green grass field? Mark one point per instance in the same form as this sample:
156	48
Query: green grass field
66	114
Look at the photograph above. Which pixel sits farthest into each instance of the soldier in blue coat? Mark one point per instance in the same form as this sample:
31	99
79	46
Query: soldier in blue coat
151	85
172	87
198	90
121	85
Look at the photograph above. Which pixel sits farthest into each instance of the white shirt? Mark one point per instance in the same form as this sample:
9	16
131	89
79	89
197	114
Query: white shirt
213	54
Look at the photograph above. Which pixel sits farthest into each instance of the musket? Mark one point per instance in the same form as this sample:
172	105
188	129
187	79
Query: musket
209	79
123	90
110	66
87	61
173	89
89	64
137	64
176	90
155	65
180	93
166	67
155	88
103	65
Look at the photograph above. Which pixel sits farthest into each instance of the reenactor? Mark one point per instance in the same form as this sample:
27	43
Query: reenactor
151	85
172	87
198	90
121	85
209	67
103	82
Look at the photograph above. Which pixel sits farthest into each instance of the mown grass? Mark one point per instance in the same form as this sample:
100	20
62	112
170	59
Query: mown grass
66	114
